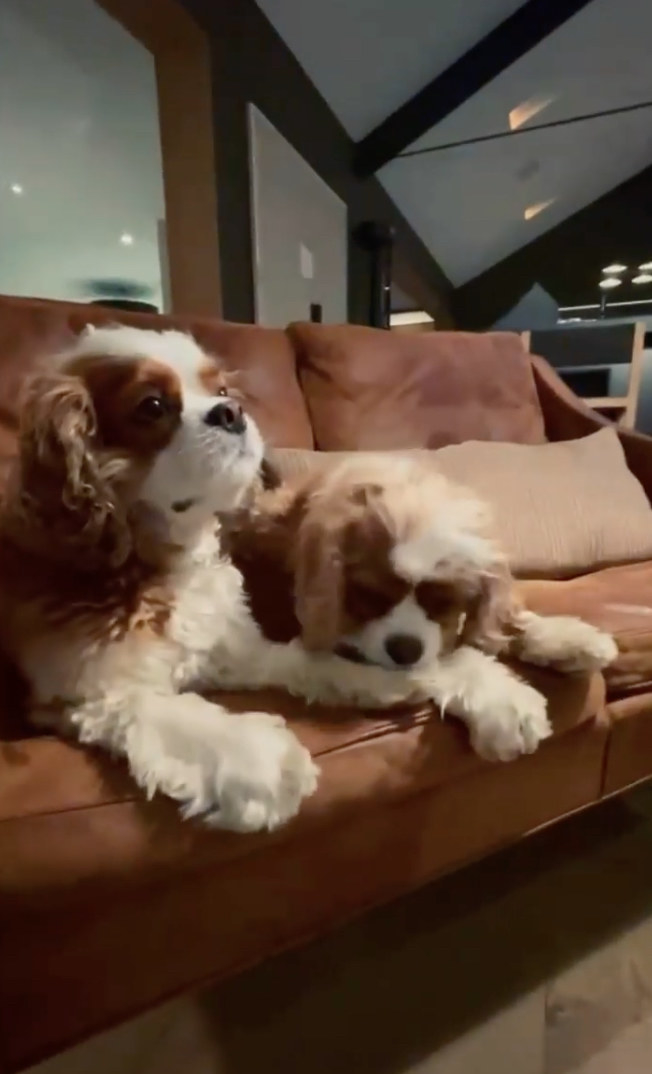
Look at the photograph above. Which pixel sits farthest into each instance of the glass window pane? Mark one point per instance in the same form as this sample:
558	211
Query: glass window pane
81	187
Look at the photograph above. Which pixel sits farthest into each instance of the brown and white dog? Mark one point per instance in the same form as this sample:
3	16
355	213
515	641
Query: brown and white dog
116	600
392	564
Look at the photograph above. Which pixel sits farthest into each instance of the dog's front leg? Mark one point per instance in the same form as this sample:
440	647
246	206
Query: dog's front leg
241	771
320	678
505	716
562	642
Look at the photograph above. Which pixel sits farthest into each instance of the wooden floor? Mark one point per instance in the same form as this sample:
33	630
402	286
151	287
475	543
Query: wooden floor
538	961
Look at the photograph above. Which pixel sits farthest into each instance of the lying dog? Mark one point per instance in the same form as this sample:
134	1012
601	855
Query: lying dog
116	600
391	564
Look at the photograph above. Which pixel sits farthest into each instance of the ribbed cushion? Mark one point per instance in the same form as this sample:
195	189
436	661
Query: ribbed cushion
560	509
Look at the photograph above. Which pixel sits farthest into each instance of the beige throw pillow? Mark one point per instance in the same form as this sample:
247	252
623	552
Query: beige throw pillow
560	509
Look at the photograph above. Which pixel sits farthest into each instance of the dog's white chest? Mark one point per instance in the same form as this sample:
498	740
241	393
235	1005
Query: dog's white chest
209	610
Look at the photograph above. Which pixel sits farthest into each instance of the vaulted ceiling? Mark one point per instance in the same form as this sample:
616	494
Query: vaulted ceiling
475	204
81	140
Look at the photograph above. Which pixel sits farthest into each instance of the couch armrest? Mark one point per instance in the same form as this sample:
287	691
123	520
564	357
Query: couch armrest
567	417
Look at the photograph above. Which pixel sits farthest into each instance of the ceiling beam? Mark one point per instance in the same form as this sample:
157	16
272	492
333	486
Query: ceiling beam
513	38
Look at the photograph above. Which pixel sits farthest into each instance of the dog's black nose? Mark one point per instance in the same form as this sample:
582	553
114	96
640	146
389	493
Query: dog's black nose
227	416
404	649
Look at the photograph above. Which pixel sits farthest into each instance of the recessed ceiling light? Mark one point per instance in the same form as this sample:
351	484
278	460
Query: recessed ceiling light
16	188
647	267
609	282
539	207
126	239
616	267
528	110
644	277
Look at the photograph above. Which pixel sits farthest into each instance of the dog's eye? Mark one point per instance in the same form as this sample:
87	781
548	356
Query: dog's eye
437	598
365	602
222	391
151	408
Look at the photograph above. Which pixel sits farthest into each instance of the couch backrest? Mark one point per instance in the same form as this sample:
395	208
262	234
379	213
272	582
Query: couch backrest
356	387
369	389
30	329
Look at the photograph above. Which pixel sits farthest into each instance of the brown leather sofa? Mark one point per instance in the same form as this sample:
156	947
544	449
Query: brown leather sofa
109	905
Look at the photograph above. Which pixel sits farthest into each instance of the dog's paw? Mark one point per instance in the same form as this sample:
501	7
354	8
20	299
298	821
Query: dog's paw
513	725
567	644
262	776
245	772
586	649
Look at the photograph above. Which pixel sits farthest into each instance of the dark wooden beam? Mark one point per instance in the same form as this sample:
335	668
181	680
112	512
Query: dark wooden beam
513	38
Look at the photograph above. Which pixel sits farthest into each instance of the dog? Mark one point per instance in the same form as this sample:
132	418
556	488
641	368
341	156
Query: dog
117	602
389	563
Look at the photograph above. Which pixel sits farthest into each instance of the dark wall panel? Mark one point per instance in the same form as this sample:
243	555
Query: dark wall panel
251	63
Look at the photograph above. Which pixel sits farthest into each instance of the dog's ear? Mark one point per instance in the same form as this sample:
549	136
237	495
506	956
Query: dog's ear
62	496
319	581
332	536
490	612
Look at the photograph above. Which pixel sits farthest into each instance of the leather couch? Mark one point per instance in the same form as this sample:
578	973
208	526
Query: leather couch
109	905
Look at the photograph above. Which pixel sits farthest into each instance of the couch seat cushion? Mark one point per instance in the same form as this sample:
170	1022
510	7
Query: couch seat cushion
630	741
619	600
70	817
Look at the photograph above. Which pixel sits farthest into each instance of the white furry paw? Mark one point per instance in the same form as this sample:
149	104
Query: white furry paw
263	777
586	648
512	727
245	772
566	643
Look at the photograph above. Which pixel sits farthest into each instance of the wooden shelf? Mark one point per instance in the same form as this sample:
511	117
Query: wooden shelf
608	402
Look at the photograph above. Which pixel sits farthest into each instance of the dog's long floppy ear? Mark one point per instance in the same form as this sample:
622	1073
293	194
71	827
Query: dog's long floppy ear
330	535
490	613
319	582
62	500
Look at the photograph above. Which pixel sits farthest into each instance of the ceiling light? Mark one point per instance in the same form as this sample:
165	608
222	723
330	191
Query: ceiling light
528	110
16	188
647	267
609	282
644	277
126	239
610	270
539	207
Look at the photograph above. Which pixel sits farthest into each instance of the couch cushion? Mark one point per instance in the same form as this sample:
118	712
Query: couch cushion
587	481
630	742
618	600
369	759
367	388
30	328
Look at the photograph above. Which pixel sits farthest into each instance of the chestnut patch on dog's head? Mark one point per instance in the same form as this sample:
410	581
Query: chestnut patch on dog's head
137	402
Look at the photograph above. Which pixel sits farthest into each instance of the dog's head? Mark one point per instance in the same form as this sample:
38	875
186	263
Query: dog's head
393	565
128	422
